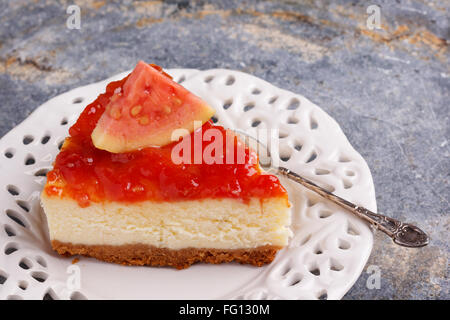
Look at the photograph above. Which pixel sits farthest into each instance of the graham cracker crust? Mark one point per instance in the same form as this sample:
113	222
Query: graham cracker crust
142	254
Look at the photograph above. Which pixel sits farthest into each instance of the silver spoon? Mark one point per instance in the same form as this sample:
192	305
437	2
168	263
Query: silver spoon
403	234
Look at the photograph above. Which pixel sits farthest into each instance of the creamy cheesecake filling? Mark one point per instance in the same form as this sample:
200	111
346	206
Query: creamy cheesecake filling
207	223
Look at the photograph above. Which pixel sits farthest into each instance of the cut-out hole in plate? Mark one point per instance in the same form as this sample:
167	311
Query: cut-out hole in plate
318	250
350	173
273	99
282	134
23	285
295	279
77	100
227	104
47	296
323	214
322	295
64	121
285	157
255	123
25	263
11	248
343	244
41	172
41	261
181	79
249	106
3	277
347	184
16	217
293	104
311	157
311	202
314	270
313	124
285	270
9	231
13	190
77	296
230	80
50	295
343	158
351	230
45	139
321	172
60	144
9	153
28	139
328	187
208	79
335	265
39	276
292	120
24	205
298	146
256	91
214	119
29	160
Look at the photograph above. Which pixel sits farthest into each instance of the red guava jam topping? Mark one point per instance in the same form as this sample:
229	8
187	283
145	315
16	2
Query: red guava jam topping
88	174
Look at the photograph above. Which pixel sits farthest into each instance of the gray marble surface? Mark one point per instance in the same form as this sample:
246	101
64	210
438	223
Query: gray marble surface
388	88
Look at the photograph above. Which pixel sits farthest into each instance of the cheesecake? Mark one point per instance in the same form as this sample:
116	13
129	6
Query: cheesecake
143	207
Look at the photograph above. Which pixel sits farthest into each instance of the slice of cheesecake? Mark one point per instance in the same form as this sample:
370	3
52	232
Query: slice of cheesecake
143	207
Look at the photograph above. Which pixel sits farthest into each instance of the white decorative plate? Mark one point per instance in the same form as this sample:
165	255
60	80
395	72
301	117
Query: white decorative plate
324	258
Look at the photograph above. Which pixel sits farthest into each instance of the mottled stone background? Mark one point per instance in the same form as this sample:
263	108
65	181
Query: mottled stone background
389	88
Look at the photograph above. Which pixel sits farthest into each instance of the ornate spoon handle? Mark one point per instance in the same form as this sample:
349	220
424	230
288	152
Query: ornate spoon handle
403	234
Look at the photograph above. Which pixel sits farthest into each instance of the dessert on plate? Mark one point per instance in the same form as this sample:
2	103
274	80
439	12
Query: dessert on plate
145	178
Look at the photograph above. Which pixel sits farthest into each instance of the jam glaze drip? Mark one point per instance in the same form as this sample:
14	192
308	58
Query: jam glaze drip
87	174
